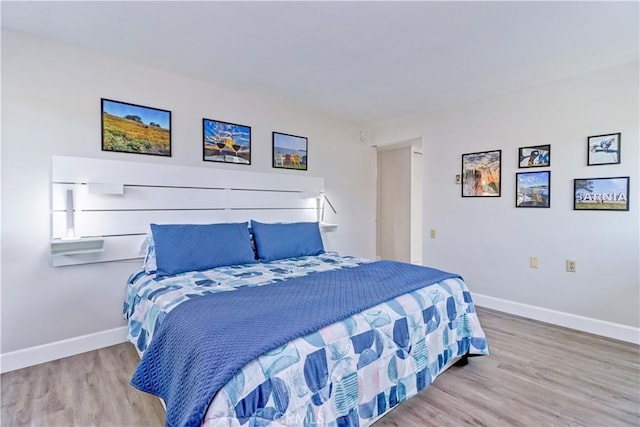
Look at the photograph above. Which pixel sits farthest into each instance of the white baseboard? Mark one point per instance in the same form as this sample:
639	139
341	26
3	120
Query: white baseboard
60	349
65	348
573	321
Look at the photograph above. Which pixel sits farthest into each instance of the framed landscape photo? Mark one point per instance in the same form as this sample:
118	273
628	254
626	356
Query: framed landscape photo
226	142
601	194
131	128
289	151
538	156
603	149
481	174
533	189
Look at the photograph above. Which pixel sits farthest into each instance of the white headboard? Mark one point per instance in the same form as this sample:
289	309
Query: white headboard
166	194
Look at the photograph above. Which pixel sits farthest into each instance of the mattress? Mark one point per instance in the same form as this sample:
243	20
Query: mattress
348	373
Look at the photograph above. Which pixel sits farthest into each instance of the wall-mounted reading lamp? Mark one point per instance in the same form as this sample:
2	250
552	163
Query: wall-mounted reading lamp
321	198
104	188
326	199
94	188
71	244
70	213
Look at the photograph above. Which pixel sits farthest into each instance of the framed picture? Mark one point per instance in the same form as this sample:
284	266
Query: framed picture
132	128
538	156
226	142
481	173
289	151
603	149
601	194
533	189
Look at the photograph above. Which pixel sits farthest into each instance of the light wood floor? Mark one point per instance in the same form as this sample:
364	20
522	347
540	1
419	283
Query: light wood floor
537	375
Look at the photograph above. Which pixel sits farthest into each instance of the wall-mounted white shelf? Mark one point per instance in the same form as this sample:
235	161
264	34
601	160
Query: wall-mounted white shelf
327	227
81	245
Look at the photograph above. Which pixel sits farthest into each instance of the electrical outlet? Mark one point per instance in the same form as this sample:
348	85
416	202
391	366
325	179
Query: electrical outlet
571	266
533	262
433	233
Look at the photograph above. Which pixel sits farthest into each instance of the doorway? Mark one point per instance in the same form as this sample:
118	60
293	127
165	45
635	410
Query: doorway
399	202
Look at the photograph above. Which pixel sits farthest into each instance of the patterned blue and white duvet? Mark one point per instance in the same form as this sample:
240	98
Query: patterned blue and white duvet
347	373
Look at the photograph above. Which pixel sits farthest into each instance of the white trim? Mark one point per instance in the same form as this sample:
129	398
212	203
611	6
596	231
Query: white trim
568	320
57	350
60	349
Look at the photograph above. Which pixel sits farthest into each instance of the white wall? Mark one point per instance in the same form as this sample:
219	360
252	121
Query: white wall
489	241
51	105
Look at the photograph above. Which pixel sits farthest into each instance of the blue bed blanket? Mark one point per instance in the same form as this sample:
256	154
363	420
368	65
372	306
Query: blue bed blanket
203	342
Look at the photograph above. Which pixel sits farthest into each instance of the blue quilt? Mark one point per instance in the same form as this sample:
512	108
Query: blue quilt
203	342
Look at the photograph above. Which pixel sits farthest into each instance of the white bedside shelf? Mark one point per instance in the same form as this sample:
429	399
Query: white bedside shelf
81	245
326	227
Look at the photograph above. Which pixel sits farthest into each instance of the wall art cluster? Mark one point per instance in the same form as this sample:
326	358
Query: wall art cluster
481	176
137	129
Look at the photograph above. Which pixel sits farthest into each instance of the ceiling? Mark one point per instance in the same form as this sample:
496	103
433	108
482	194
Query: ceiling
361	61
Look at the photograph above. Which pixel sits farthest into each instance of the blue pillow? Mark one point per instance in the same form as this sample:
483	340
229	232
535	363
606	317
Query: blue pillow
192	247
278	241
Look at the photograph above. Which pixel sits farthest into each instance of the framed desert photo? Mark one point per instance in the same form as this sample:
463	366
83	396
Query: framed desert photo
289	151
533	189
226	142
601	194
538	156
603	149
481	173
132	128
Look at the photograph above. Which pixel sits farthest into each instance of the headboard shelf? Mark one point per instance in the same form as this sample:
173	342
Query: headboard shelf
77	246
136	194
71	170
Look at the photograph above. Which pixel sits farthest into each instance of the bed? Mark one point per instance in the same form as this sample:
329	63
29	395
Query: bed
296	337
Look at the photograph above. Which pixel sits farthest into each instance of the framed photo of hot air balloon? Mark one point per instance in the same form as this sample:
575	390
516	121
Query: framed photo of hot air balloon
289	151
226	142
538	156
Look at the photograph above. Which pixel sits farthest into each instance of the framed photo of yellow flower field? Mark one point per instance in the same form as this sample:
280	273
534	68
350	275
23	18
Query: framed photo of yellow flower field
132	128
